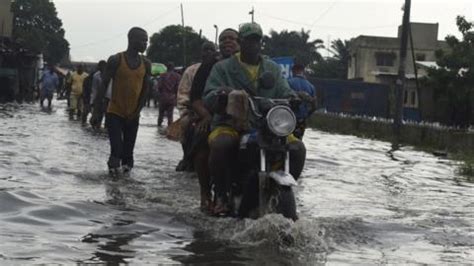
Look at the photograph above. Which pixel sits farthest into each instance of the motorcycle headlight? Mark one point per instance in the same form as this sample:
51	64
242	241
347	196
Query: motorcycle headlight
281	120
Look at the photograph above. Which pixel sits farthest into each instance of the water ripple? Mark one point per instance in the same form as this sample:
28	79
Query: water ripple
359	203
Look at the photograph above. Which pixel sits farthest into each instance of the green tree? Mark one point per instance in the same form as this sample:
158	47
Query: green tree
329	68
36	25
167	45
293	43
340	50
334	67
453	81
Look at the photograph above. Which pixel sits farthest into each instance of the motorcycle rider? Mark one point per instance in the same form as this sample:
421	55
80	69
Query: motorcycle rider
307	93
199	148
242	71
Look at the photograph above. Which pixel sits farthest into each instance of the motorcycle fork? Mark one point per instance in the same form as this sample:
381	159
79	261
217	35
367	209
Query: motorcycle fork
264	181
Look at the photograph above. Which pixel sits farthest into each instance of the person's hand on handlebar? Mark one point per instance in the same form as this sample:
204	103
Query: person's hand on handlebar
221	99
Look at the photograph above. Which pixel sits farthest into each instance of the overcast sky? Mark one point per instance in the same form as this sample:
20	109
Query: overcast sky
97	29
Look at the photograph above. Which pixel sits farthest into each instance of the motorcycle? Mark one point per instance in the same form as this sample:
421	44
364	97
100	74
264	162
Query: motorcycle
263	183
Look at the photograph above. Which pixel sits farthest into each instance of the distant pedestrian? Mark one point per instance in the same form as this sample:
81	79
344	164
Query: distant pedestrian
49	83
129	72
67	88
77	83
86	97
307	93
153	91
168	89
95	86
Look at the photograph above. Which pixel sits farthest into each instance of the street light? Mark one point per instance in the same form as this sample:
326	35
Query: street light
217	30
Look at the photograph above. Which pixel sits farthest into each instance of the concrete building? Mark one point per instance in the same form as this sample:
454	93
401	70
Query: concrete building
376	59
6	18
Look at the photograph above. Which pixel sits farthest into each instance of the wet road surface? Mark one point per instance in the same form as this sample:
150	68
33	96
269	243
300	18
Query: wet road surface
358	203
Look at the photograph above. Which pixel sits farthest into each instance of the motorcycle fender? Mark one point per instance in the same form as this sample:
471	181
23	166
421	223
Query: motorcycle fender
282	178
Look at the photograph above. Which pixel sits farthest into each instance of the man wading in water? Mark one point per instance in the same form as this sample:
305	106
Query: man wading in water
129	72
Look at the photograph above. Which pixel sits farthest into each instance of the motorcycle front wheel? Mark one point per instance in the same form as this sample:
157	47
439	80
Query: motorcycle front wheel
286	203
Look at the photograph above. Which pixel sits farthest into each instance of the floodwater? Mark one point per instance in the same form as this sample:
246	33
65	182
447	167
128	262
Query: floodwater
358	203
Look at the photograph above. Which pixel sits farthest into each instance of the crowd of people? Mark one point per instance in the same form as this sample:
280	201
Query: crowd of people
121	86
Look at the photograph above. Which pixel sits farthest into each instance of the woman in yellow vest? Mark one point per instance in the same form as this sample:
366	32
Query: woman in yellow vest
129	72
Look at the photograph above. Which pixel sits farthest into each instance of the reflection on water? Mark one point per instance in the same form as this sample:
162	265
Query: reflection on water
359	202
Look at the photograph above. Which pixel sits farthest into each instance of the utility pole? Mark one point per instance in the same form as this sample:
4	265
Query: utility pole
184	36
217	30
2	34
413	56
329	44
401	80
251	13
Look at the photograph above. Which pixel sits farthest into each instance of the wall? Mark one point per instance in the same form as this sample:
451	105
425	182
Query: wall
412	134
352	97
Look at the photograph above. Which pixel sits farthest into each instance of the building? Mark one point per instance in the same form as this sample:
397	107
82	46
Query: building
376	59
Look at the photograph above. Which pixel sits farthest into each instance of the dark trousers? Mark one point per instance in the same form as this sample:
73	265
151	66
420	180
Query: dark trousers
165	109
122	136
44	96
86	109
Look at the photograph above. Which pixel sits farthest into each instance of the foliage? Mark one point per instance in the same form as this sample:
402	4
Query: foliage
293	43
340	49
329	68
167	45
453	81
334	67
37	26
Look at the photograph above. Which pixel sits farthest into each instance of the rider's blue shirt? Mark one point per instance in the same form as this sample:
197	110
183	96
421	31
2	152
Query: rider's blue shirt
300	83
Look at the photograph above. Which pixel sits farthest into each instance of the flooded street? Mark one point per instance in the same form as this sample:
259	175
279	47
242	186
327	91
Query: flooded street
358	203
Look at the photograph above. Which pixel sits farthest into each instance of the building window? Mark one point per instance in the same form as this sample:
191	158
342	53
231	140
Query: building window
385	59
420	57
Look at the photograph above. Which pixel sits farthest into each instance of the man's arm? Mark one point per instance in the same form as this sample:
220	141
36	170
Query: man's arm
214	84
145	87
184	89
314	102
197	90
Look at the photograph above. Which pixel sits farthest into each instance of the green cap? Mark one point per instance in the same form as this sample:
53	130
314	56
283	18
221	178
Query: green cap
250	28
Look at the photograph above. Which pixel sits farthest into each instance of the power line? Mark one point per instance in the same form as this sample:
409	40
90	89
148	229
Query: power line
165	14
306	24
118	35
323	14
285	20
325	26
